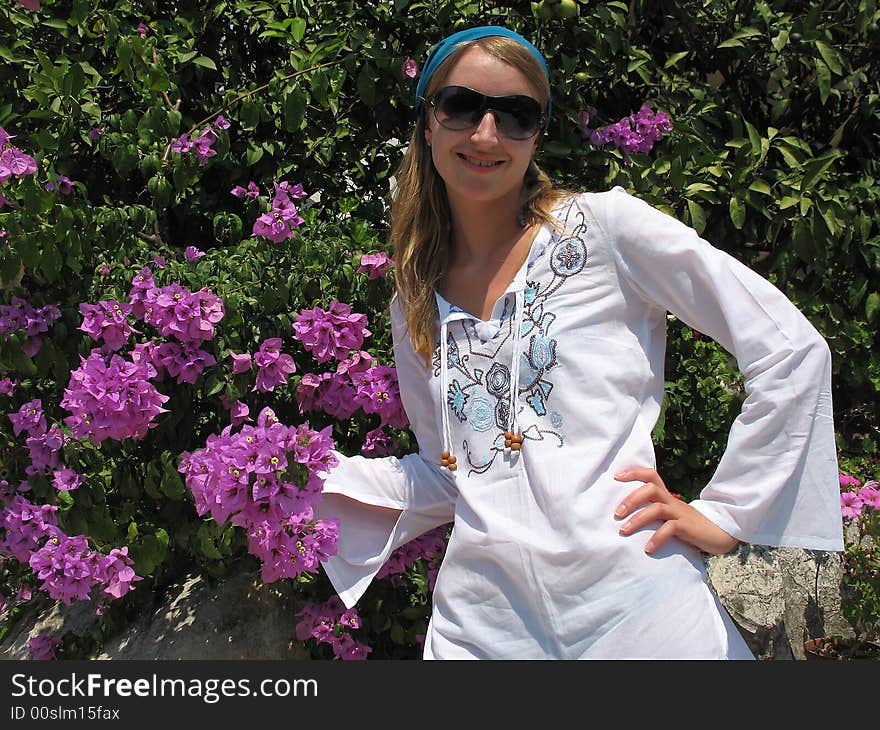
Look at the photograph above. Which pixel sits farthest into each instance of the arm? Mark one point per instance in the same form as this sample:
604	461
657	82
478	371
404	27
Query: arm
776	483
384	503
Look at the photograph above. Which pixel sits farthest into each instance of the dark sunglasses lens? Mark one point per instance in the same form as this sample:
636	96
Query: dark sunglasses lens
458	108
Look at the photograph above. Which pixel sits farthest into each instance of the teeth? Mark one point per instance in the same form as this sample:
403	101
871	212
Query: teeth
479	163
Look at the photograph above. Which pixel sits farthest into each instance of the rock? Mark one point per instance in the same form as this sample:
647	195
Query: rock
44	616
779	597
241	618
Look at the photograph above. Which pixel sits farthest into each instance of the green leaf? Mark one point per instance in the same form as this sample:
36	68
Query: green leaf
759	186
698	216
675	58
366	86
737	213
298	29
294	110
830	56
823	76
205	62
872	307
816	168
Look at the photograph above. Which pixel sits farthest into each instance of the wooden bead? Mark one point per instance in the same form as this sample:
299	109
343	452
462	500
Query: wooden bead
453	466
515	446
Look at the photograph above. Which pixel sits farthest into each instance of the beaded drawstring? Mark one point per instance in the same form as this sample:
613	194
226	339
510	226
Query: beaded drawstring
513	439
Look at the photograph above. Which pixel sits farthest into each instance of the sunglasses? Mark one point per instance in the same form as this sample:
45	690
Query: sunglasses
458	108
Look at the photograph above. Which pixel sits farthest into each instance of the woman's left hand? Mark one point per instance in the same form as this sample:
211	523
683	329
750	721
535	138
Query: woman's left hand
678	517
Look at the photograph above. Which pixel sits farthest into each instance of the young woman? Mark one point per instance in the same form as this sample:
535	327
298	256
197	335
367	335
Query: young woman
529	334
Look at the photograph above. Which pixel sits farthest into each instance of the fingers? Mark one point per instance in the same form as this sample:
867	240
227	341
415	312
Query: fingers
642	473
653	513
648	492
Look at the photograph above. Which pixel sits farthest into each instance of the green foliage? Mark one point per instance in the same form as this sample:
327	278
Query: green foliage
774	158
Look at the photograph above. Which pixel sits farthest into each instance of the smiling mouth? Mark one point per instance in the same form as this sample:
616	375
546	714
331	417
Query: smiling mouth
480	163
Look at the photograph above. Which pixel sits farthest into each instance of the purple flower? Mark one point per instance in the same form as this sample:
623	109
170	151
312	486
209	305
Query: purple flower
850	505
15	163
29	418
410	68
274	366
239	413
221	122
378	443
7	386
636	133
142	30
67	479
870	494
42	647
193	254
241	363
375	265
64	185
115	571
181	144
332	333
847	482
159	262
112	399
107	320
96	133
4	138
104	270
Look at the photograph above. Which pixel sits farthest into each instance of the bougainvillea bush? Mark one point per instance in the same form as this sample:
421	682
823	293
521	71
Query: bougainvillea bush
194	274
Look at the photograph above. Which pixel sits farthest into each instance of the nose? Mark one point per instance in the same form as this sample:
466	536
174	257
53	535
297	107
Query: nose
487	129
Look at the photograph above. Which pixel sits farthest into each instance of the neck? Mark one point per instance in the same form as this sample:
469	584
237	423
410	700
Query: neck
483	231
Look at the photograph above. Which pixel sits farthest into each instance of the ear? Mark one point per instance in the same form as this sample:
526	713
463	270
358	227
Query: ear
428	135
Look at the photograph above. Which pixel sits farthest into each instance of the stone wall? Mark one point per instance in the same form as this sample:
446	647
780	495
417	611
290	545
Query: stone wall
778	597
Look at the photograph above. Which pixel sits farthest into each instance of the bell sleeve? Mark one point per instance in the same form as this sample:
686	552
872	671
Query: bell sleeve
383	503
777	481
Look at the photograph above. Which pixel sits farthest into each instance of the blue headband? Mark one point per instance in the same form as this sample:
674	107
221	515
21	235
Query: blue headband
440	52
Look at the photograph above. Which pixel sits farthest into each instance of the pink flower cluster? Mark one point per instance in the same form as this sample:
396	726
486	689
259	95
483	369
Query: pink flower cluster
7	386
252	191
182	361
106	320
177	312
44	445
67	566
203	145
357	383
273	365
63	185
13	162
193	254
375	265
69	569
42	647
430	547
20	315
854	500
638	132
280	222
111	399
266	479
332	333
331	623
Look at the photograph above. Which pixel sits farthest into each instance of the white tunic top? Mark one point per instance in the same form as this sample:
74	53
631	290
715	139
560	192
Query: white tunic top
535	566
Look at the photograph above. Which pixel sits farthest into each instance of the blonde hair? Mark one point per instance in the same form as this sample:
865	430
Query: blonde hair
421	225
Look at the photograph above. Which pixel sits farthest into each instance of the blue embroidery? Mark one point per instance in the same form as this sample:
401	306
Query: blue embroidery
566	257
